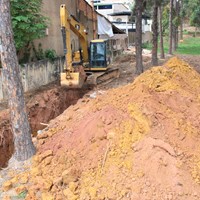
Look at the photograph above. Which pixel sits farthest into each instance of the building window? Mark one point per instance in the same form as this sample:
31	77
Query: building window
105	7
95	7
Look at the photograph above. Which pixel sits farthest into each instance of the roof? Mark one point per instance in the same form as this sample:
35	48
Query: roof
129	13
99	40
111	3
121	13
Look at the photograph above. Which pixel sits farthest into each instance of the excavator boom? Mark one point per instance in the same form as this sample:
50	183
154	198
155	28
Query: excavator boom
72	78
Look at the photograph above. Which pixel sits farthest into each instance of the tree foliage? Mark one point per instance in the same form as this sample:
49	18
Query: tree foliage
194	12
27	21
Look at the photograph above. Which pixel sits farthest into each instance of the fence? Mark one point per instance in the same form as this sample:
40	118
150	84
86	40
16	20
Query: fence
36	74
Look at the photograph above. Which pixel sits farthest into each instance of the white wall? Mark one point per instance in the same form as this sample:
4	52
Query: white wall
124	18
120	7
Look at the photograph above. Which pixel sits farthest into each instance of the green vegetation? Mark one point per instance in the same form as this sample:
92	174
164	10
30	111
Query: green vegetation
27	21
190	45
192	8
40	54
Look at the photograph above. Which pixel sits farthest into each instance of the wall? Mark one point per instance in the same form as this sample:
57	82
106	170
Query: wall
146	37
124	18
36	74
119	7
117	44
131	36
53	39
51	9
88	17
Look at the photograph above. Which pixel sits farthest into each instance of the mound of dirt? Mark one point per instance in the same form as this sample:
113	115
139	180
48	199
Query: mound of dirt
136	142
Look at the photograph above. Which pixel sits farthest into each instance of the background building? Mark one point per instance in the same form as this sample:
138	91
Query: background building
80	9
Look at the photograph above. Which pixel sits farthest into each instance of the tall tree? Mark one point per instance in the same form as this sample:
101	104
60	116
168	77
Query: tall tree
162	53
24	147
174	25
177	22
181	20
194	13
138	36
155	33
170	26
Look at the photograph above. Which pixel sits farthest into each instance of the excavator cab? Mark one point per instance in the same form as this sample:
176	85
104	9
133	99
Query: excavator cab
99	55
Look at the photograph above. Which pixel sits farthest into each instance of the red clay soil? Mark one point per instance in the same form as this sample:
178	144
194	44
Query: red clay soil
42	107
6	145
138	142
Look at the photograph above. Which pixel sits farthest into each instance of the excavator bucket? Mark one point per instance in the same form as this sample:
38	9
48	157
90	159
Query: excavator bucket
74	79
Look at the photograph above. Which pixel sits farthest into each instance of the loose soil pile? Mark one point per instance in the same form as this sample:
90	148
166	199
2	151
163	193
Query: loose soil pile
138	142
41	108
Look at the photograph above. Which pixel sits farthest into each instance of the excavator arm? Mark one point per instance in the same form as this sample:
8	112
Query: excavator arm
68	23
75	77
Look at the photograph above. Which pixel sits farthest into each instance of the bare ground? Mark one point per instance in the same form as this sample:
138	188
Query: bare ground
41	103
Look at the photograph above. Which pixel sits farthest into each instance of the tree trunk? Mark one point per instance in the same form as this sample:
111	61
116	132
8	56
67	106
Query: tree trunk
162	53
24	147
195	34
154	59
181	29
181	21
173	39
173	28
170	26
138	36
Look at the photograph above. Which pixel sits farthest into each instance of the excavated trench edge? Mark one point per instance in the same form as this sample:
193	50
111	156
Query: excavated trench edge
41	111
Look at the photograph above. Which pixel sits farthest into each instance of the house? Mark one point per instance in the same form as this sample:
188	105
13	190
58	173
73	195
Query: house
120	15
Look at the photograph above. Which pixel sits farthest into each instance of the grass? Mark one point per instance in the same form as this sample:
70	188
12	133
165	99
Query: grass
190	46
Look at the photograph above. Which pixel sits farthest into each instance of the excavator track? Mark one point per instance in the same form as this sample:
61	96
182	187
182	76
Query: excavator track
102	78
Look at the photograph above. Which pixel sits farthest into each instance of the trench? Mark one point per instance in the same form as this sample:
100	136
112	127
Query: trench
41	108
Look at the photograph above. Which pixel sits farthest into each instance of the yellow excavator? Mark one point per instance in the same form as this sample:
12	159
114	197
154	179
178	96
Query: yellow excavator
93	63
